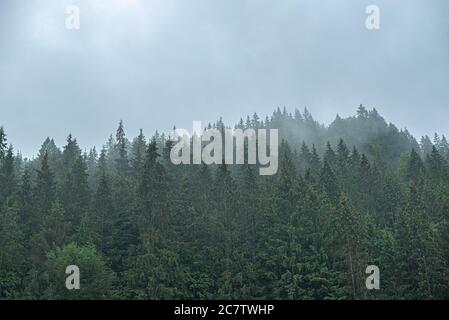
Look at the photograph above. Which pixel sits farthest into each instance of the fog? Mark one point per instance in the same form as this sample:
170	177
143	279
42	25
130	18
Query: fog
159	63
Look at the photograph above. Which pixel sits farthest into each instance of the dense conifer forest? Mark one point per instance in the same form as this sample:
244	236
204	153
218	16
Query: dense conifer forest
355	193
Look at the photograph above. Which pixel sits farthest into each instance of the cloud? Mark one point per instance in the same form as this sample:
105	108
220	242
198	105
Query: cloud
163	62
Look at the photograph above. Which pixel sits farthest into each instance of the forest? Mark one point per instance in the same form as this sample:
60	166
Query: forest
354	193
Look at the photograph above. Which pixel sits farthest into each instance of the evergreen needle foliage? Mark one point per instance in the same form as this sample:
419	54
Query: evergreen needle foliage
358	192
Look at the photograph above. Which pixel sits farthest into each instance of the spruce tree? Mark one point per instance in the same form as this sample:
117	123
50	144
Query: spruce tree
122	163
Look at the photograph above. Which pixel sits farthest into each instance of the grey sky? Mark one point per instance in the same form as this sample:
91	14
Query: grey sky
156	63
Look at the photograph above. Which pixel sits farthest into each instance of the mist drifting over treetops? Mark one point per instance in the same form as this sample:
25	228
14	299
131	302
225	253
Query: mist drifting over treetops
366	130
158	63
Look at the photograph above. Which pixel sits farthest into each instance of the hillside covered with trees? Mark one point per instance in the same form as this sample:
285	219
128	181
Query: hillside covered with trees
355	193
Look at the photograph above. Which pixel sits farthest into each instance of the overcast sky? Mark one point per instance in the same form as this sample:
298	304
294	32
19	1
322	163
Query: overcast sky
159	63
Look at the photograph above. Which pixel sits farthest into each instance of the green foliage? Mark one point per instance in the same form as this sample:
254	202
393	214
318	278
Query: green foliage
359	192
96	279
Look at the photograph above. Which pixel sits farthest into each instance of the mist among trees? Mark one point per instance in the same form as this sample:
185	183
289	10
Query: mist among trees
355	193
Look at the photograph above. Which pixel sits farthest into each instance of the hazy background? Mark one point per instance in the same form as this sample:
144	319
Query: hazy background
156	63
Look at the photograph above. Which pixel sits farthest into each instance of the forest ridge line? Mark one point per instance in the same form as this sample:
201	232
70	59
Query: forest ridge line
365	128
